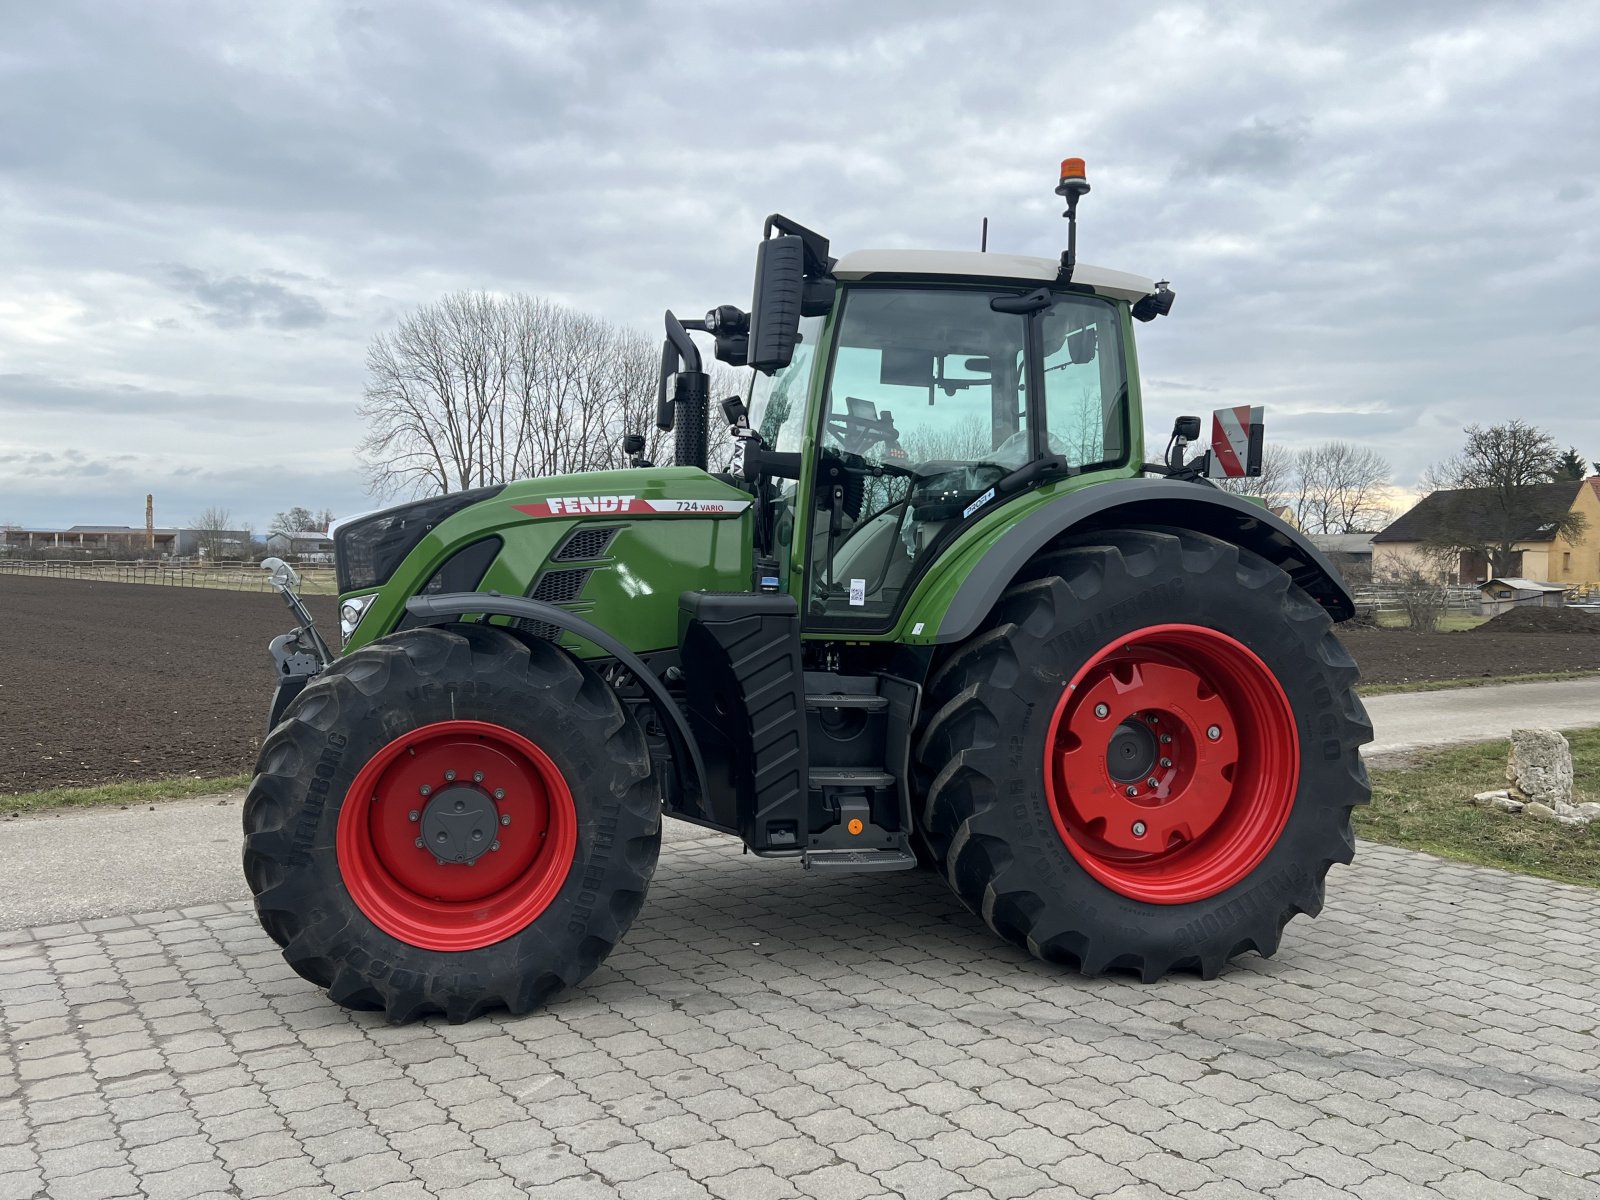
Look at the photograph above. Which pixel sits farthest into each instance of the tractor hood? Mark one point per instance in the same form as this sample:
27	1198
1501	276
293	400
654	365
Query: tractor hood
636	492
615	546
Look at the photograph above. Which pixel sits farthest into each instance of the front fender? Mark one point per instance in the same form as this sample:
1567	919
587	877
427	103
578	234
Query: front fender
1143	502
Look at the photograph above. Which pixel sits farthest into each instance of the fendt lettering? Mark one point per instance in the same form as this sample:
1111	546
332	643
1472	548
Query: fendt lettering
928	606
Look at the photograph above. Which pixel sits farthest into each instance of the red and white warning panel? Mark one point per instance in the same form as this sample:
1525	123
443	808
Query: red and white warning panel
575	506
1236	441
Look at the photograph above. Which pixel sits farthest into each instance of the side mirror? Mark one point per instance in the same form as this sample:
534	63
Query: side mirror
775	306
1082	344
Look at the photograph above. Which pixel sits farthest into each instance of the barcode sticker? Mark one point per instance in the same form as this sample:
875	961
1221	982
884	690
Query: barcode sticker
858	592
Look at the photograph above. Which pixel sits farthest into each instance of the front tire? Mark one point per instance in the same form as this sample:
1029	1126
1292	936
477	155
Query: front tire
451	820
1148	758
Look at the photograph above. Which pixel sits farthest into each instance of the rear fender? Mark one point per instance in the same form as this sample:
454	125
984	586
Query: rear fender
1127	503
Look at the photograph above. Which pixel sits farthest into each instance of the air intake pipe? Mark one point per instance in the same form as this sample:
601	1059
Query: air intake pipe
688	413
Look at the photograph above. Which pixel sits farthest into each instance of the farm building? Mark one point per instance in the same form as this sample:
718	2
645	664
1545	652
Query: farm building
1350	552
311	547
1499	595
125	542
1543	556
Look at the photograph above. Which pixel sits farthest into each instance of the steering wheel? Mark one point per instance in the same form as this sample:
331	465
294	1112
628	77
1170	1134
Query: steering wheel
857	433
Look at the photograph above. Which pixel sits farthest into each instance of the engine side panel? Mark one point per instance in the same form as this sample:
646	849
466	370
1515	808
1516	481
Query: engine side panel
616	547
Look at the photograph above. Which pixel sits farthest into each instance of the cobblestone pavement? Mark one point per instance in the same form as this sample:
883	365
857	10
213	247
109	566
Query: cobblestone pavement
766	1033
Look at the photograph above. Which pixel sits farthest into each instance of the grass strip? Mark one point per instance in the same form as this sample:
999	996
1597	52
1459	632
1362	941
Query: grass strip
1427	806
1441	685
141	792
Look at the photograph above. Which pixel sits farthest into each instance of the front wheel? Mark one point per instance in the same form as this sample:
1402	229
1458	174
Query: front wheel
1149	757
451	821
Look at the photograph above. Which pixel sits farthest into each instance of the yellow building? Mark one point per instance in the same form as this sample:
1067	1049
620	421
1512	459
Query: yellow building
1543	556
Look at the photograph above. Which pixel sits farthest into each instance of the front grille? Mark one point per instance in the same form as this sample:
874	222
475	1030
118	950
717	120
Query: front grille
538	629
585	544
561	587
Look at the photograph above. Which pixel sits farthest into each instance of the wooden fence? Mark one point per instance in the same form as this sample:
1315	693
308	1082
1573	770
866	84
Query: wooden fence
176	572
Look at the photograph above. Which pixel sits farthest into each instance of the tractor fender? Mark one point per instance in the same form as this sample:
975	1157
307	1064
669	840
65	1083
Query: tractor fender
1124	503
448	606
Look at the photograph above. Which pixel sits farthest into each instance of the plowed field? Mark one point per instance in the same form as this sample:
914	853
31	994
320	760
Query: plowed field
109	681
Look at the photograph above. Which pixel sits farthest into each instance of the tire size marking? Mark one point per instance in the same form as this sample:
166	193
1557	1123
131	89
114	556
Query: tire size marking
305	828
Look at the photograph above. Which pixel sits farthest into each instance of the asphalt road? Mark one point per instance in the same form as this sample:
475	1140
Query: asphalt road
90	863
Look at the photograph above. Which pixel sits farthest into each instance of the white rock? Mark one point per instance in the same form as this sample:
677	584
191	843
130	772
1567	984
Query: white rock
1563	819
1539	767
1542	811
1498	800
1591	811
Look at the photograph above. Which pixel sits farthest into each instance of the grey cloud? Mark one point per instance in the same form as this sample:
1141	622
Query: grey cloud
235	301
1260	149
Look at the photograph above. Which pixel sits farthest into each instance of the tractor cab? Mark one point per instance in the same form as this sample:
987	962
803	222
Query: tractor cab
941	384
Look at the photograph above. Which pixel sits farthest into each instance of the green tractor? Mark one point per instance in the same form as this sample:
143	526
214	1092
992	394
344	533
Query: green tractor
939	613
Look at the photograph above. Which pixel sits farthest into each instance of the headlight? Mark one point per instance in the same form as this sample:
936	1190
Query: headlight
366	552
351	612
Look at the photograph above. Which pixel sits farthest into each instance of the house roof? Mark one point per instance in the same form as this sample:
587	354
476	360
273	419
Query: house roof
1522	585
1471	510
1343	543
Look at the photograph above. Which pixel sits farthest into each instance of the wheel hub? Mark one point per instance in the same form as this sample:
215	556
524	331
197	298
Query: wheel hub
1131	752
459	824
456	834
1172	763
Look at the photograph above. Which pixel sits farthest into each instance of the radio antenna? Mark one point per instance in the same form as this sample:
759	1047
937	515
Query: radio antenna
983	245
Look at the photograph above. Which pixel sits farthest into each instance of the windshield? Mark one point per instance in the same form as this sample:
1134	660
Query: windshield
927	409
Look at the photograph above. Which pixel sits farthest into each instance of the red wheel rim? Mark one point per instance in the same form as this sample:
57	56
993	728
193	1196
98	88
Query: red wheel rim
1171	763
510	832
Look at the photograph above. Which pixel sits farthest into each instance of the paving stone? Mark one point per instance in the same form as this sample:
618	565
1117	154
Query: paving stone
1402	1045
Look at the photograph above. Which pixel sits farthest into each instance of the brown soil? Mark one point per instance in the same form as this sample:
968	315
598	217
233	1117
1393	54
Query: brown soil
111	681
1389	656
1542	620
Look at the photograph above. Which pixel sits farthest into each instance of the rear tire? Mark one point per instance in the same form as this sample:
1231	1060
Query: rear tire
563	828
1052	773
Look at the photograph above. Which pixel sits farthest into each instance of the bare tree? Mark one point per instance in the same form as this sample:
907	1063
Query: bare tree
209	527
1340	488
1420	581
1503	476
1275	486
480	389
299	519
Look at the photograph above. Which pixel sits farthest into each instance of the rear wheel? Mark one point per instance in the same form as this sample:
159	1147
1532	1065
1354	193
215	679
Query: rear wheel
451	821
1148	759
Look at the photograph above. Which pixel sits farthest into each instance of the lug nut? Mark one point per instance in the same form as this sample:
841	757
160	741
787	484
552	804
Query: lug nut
449	776
505	818
1166	738
1102	711
425	790
499	793
1166	762
477	777
1138	829
1153	781
1132	791
494	845
419	843
415	815
1214	732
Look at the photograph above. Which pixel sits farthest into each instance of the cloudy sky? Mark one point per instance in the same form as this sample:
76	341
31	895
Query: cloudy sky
1380	218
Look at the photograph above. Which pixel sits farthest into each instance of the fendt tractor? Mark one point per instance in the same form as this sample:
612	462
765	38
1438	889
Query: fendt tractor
940	612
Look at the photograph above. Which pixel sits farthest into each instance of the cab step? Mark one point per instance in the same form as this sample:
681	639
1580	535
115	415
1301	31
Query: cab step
894	858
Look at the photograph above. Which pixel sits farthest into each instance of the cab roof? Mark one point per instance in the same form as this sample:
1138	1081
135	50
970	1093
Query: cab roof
974	264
